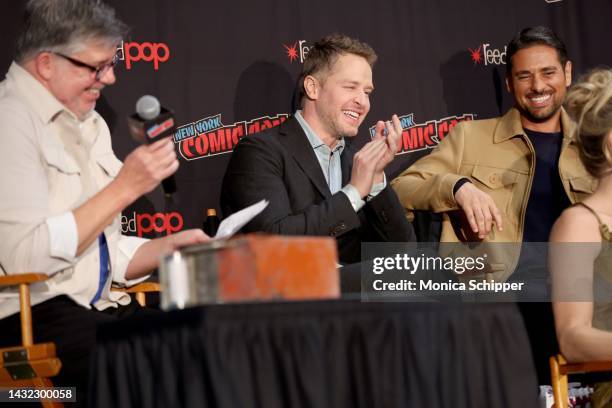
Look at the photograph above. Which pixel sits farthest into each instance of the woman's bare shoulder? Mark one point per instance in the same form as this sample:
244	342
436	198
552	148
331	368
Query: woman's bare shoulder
576	224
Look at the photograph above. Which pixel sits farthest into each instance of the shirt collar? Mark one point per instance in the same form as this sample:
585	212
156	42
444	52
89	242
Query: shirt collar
312	137
510	126
39	99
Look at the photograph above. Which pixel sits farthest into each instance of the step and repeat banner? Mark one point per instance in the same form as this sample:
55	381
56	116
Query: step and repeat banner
229	69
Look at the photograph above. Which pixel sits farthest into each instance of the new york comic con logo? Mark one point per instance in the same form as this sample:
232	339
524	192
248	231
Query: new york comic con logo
297	50
421	136
210	137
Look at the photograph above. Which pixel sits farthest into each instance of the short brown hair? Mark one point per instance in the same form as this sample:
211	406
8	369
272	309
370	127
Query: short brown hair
589	103
538	35
324	53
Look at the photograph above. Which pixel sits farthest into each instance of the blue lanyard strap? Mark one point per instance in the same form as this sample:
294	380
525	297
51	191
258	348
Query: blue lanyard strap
104	266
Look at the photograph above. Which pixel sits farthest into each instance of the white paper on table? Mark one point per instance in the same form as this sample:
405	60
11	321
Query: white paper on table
234	222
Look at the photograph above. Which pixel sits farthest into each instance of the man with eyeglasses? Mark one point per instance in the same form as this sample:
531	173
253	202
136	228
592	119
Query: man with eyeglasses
61	187
100	71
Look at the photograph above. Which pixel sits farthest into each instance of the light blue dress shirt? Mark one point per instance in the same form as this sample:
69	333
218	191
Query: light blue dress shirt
329	159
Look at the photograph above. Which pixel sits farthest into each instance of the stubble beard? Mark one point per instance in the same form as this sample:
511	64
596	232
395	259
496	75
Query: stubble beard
535	116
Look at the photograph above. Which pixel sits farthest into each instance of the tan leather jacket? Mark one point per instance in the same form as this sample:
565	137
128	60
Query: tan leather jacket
497	156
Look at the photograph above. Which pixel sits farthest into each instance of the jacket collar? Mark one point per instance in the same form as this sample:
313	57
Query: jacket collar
568	126
295	141
510	126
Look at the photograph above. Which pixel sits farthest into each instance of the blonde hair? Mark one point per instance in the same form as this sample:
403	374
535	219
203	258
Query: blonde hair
589	103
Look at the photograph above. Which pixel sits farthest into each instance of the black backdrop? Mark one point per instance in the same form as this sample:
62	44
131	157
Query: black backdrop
228	68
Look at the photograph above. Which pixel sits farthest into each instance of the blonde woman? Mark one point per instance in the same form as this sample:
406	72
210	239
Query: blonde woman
581	239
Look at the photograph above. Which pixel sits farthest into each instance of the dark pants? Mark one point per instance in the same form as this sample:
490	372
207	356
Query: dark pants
73	330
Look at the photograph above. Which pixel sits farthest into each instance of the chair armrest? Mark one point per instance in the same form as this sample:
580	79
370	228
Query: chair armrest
589	366
141	287
23	280
560	368
18	279
139	290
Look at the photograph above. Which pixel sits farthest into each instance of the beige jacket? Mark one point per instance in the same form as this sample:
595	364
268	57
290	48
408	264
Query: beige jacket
497	156
51	163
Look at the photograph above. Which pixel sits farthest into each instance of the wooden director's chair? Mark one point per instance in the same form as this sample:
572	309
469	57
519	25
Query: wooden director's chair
32	365
560	369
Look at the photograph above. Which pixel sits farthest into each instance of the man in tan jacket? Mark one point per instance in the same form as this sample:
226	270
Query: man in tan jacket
506	179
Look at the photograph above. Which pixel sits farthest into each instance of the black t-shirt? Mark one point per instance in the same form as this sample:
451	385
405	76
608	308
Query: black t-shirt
547	198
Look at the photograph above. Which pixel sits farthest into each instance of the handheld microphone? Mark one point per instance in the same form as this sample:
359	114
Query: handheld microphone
148	107
150	123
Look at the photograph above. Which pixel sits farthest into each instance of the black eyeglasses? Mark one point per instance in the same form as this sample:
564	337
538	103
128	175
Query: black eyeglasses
100	71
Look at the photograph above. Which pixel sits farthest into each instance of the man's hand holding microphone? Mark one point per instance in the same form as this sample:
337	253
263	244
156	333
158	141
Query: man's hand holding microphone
150	164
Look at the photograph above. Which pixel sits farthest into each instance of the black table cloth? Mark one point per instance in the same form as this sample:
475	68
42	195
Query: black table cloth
317	354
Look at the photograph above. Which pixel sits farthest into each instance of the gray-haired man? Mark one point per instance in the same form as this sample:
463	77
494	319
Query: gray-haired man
62	188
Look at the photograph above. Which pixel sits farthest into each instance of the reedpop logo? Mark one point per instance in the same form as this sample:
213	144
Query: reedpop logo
142	224
297	50
148	52
487	55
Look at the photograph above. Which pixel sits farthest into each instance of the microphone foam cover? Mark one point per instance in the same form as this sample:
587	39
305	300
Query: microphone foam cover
148	107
